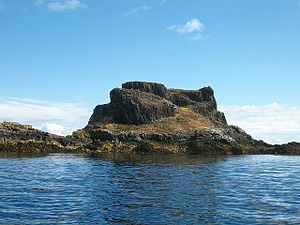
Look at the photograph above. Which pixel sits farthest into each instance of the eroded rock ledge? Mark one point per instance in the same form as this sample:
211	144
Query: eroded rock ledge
147	117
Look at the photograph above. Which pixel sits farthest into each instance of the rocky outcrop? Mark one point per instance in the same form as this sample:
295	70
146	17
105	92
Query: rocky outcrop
15	137
133	107
147	117
292	148
142	112
185	98
148	87
201	101
144	102
17	132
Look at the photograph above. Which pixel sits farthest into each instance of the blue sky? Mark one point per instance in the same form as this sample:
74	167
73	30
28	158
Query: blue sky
73	52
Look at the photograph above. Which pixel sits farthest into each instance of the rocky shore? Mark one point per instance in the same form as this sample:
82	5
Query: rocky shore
145	117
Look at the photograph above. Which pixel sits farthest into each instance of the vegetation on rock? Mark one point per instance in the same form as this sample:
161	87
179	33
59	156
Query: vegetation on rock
145	117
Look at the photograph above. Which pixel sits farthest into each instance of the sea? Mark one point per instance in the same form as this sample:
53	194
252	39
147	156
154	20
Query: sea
149	189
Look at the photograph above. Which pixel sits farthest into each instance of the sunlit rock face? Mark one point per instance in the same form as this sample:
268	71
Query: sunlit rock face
136	107
11	131
201	101
145	117
145	102
148	87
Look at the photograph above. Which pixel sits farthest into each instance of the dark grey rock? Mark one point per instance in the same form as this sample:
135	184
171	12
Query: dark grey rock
148	87
135	107
102	135
103	114
190	97
11	131
131	106
144	102
201	101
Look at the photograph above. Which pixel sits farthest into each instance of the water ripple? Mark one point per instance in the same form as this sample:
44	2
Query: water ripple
150	189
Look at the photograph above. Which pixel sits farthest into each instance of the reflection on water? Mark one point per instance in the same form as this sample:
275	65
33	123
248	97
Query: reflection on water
149	189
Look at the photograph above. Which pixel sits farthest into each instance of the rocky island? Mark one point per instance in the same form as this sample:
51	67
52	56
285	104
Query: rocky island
144	117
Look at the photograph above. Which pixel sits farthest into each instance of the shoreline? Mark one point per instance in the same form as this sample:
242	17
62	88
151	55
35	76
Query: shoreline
146	117
106	147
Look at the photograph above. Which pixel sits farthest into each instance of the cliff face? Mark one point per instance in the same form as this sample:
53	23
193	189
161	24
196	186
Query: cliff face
144	103
187	120
133	107
147	117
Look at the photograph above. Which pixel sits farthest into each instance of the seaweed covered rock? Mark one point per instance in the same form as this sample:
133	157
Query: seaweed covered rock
11	131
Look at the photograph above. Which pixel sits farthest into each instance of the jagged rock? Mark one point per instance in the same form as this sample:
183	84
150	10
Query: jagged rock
144	102
102	135
201	101
292	148
148	87
209	111
11	131
132	107
190	97
147	117
102	114
214	134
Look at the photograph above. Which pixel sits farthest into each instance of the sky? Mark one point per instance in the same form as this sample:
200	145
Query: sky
60	58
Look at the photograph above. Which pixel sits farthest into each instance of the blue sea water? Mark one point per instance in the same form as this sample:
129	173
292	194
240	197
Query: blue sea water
149	189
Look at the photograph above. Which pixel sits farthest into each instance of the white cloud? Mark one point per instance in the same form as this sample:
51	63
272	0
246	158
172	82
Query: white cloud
53	128
192	26
274	123
59	118
137	10
66	5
